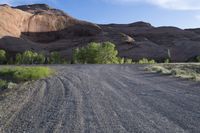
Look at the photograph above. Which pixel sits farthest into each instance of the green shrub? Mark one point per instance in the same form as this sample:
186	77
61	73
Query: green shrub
97	53
121	60
167	61
146	61
143	61
18	59
152	61
39	59
29	57
3	84
2	56
128	61
25	73
55	58
194	59
198	58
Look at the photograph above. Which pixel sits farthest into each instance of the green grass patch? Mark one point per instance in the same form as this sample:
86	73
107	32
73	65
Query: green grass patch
18	74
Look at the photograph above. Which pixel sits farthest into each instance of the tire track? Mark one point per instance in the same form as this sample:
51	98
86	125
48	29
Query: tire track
107	98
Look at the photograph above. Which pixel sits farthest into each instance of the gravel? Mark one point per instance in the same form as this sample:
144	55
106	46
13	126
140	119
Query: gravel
103	99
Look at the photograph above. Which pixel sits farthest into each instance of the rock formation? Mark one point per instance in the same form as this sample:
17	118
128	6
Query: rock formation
41	28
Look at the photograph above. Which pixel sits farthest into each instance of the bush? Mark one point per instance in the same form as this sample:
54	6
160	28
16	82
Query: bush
55	58
143	61
18	59
3	84
128	61
39	59
2	56
152	61
25	73
29	57
146	61
198	58
194	59
97	53
167	61
121	60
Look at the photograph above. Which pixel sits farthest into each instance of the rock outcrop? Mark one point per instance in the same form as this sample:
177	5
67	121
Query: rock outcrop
41	28
40	23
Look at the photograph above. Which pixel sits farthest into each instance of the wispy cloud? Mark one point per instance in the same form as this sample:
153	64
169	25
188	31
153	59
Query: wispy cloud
168	4
5	2
21	2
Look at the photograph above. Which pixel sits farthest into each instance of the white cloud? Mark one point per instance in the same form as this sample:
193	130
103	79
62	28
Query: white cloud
168	4
177	4
5	2
23	2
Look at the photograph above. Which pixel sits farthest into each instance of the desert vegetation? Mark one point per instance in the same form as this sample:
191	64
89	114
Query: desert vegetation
93	53
146	61
188	71
10	75
31	57
98	53
3	84
2	56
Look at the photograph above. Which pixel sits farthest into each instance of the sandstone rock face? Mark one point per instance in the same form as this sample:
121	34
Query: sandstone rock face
41	28
12	21
40	23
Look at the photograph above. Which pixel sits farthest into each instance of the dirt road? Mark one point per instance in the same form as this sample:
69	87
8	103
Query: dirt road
103	99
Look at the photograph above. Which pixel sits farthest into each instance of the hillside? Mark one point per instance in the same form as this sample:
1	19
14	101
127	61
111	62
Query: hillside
42	28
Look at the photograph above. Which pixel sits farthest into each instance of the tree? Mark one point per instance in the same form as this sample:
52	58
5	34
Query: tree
55	58
107	54
96	53
40	59
18	58
29	57
2	56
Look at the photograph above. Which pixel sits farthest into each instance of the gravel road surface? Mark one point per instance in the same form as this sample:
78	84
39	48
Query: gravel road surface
103	99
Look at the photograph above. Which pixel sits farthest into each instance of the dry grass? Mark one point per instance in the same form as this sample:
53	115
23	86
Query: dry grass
188	71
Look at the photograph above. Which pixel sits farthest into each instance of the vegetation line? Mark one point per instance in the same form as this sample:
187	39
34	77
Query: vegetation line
187	71
93	53
13	75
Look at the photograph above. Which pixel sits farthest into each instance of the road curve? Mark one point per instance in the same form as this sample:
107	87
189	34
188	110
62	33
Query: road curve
103	99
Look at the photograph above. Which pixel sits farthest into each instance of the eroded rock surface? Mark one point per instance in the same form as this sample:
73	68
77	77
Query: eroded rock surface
42	28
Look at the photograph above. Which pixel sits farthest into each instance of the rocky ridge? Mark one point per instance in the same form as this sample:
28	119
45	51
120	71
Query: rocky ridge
42	28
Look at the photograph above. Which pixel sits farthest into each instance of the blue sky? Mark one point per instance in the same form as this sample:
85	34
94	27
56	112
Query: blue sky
181	13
